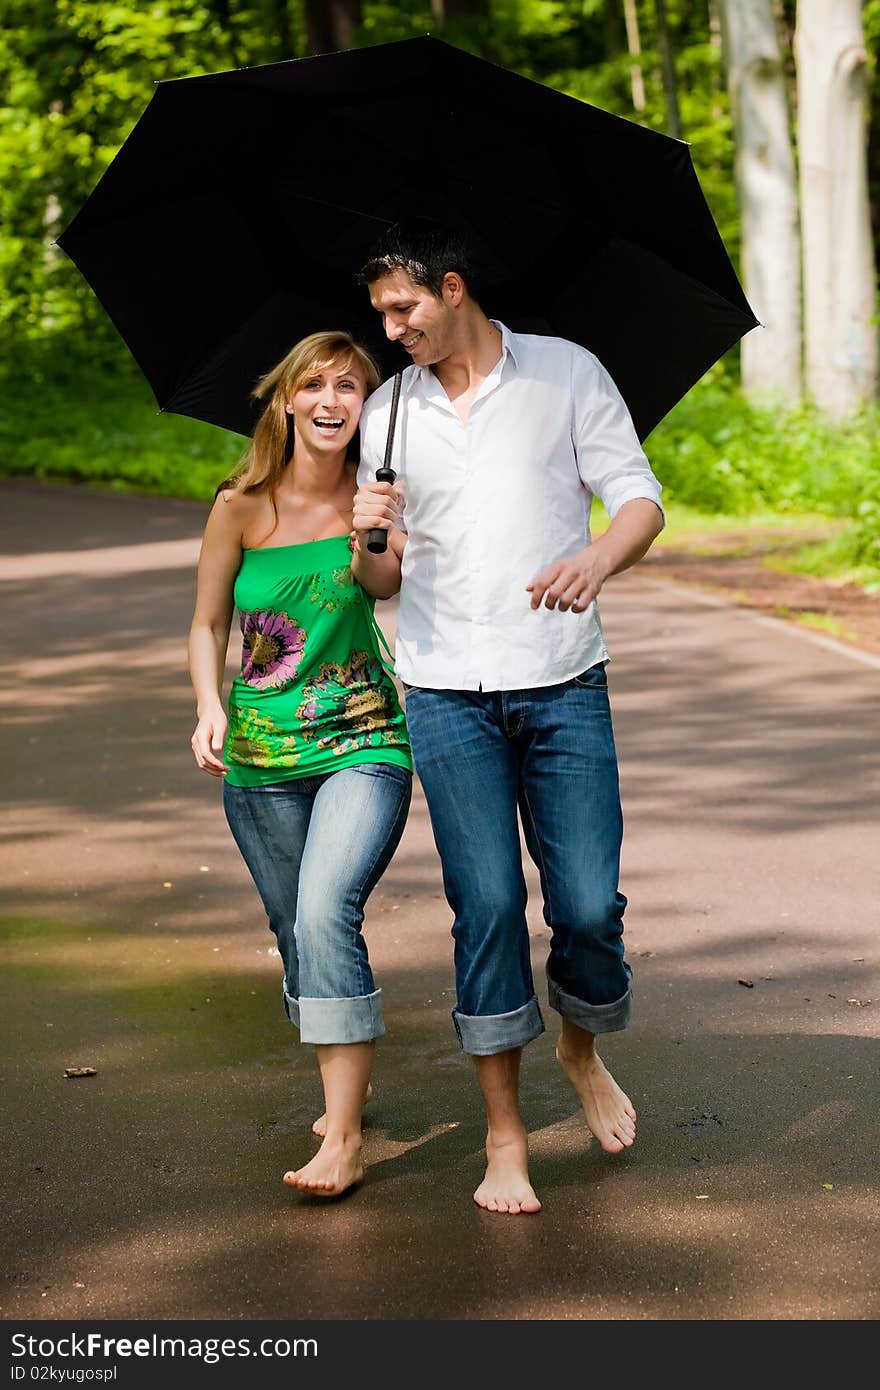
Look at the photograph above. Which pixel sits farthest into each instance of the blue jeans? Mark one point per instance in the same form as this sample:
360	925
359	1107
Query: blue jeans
549	752
316	848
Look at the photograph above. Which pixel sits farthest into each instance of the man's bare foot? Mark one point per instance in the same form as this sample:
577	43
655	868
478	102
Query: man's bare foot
506	1186
335	1168
608	1109
319	1126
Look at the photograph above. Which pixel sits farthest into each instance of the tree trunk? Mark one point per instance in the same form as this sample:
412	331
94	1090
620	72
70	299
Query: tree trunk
284	28
634	44
331	24
839	278
670	89
614	36
767	191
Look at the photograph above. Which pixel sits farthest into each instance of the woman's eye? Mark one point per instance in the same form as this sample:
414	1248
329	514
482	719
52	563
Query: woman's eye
346	386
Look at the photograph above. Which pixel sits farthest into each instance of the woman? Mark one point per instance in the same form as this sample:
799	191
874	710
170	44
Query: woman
316	762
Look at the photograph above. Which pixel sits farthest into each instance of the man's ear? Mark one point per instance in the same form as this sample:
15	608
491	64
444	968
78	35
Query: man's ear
453	288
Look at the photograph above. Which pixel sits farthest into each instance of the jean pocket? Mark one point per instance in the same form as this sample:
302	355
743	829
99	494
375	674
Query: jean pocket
594	678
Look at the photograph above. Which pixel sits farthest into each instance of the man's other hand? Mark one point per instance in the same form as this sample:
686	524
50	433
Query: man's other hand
571	583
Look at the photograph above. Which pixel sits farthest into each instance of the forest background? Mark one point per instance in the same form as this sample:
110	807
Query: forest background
775	97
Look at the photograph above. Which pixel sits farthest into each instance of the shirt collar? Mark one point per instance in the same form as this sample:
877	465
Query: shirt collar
508	341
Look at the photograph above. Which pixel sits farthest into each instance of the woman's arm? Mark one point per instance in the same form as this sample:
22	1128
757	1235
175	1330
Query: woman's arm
376	507
219	563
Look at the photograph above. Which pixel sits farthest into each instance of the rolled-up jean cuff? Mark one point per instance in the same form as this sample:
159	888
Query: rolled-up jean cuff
593	1018
354	1020
291	1006
484	1035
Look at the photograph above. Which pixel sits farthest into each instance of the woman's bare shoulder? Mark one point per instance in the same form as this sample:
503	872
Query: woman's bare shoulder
242	512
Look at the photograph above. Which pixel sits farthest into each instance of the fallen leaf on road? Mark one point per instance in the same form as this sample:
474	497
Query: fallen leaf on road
749	984
79	1071
702	1197
167	885
828	1186
862	1003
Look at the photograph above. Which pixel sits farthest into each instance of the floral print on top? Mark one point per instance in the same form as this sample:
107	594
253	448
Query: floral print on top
272	649
349	706
254	739
313	694
336	590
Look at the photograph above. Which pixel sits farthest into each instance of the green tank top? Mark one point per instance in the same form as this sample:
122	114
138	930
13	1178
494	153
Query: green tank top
313	695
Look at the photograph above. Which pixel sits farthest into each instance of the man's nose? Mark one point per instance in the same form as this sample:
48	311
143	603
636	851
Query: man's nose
394	329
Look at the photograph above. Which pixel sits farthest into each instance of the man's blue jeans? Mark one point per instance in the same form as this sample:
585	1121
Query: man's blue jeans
549	752
316	848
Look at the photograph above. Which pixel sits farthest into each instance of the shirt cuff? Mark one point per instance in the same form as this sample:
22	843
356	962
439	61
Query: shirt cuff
630	494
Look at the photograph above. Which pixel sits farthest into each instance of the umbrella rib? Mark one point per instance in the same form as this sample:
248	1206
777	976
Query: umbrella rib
340	207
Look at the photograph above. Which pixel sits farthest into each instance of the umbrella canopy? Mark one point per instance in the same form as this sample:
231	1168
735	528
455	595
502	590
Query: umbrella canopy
235	216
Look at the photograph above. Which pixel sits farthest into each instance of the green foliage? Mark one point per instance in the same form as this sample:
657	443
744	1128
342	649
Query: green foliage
717	453
96	422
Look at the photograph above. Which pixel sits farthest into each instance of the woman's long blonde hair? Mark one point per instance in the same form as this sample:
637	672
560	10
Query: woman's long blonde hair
271	448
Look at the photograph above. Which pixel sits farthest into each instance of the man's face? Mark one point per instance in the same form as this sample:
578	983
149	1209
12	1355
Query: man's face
413	316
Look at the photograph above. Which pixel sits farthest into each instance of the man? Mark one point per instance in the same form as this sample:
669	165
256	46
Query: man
502	441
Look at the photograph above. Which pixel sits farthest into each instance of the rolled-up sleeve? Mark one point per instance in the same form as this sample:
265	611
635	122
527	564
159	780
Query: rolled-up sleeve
610	459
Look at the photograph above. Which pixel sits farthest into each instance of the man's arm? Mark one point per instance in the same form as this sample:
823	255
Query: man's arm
613	467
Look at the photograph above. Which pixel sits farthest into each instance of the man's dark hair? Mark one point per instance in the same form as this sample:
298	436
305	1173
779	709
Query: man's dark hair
427	251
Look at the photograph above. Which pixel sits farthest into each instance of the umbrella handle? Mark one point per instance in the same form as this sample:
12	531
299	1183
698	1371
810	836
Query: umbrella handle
377	539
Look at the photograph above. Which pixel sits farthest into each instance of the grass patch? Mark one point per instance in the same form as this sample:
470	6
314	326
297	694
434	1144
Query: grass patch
819	622
830	559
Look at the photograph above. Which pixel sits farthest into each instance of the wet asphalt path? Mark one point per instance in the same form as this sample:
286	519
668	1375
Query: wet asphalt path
134	943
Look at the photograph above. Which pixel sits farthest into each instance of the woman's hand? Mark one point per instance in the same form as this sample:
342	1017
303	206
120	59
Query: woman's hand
208	740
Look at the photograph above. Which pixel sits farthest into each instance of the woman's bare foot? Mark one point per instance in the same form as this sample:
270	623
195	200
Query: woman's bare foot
335	1168
608	1109
319	1127
506	1186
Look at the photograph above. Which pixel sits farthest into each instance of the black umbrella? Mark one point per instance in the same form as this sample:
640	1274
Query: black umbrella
233	218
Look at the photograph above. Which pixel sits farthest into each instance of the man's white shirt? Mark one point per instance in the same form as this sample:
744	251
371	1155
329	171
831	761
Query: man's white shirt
490	502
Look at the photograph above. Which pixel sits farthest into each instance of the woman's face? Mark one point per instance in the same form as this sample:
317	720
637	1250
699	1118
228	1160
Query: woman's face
326	406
